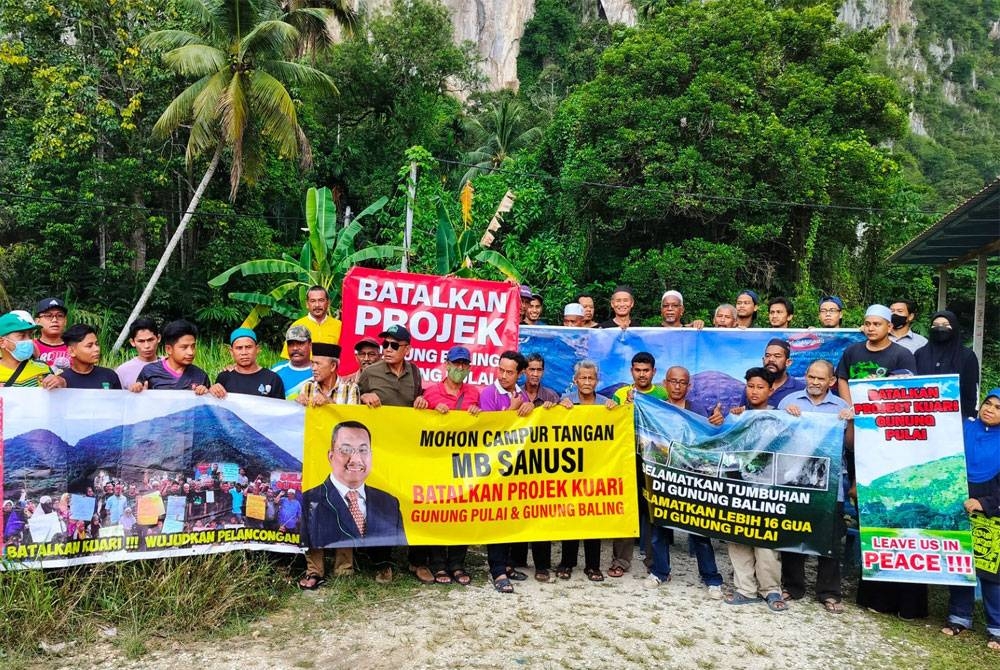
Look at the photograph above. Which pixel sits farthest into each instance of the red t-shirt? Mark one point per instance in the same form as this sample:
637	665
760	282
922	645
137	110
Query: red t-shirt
466	398
54	356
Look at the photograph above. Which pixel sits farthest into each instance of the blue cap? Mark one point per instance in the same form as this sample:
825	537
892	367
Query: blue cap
753	295
459	353
242	332
834	299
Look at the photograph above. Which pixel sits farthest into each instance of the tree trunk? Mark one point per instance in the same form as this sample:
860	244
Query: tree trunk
151	284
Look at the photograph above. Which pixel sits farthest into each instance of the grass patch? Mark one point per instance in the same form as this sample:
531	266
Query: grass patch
164	597
937	651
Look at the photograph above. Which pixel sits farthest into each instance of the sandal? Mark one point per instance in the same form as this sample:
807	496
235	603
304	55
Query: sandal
542	576
993	644
503	585
953	629
461	577
516	575
562	572
775	602
594	574
311	582
737	598
833	606
442	577
423	574
616	571
785	595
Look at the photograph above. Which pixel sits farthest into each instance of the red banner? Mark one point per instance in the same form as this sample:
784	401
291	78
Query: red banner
439	312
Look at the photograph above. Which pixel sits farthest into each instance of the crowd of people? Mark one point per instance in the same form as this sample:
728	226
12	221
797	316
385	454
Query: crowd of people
42	351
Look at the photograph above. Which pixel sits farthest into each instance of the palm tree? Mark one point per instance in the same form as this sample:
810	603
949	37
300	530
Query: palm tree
242	59
501	131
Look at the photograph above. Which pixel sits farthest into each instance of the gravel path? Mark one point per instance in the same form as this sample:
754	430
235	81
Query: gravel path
560	624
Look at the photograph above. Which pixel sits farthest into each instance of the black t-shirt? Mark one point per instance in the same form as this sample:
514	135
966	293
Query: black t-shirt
858	362
610	323
159	378
264	382
98	378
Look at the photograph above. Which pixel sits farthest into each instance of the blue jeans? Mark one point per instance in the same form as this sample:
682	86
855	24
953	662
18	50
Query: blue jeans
704	554
963	600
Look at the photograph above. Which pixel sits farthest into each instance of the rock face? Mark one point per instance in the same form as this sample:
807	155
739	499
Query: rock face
496	27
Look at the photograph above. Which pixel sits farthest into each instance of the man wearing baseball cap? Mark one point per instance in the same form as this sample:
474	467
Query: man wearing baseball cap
50	315
366	352
831	310
447	564
247	377
297	370
16	349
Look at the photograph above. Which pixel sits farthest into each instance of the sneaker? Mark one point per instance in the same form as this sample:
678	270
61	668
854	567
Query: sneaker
715	592
653	582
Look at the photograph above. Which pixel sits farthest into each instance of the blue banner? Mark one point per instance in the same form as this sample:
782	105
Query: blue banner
764	478
717	358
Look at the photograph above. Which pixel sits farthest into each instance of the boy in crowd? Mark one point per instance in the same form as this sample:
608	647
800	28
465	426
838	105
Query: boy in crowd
84	354
176	370
247	377
145	337
50	315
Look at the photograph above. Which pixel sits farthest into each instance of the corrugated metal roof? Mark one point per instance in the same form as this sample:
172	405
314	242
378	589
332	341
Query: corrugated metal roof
971	229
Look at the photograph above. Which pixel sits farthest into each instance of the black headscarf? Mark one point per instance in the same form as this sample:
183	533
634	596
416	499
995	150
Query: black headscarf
951	357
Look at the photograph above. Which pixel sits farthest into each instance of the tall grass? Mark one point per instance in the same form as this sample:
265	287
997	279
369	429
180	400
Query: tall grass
139	599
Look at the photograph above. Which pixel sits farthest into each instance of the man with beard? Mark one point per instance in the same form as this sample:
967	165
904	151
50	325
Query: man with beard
818	396
746	308
777	358
672	309
321	325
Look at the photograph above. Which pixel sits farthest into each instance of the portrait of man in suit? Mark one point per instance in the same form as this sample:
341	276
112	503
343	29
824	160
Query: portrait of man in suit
343	511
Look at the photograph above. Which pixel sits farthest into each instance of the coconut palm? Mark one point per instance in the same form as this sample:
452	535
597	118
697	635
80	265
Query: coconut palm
242	58
501	131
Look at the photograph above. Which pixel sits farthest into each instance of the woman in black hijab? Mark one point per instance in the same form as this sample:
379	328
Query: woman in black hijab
944	354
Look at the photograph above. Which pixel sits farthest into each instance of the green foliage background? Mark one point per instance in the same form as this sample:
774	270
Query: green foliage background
715	146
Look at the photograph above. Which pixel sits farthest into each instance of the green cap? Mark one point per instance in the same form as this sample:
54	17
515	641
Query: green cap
12	323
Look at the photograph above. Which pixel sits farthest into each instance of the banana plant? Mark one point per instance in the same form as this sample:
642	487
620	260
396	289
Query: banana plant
458	248
325	258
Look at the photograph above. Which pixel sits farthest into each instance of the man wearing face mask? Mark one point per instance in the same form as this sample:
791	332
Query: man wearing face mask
452	393
903	314
944	354
16	349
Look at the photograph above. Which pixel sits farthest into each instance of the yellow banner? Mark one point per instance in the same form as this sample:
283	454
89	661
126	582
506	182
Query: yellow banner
460	479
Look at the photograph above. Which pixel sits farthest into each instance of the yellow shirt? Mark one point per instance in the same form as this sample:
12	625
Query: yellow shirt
328	331
31	375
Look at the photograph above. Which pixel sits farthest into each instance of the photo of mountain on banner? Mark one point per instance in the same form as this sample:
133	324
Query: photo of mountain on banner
93	477
438	312
764	478
912	480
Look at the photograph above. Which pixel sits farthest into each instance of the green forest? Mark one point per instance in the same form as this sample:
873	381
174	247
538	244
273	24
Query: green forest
714	146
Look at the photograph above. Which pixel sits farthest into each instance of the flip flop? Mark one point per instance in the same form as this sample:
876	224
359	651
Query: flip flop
542	576
616	571
461	577
516	575
737	598
442	577
563	572
503	585
953	629
833	606
775	603
594	574
315	581
993	644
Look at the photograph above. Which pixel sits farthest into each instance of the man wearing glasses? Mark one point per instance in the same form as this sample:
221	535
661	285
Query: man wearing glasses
343	510
50	315
830	311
